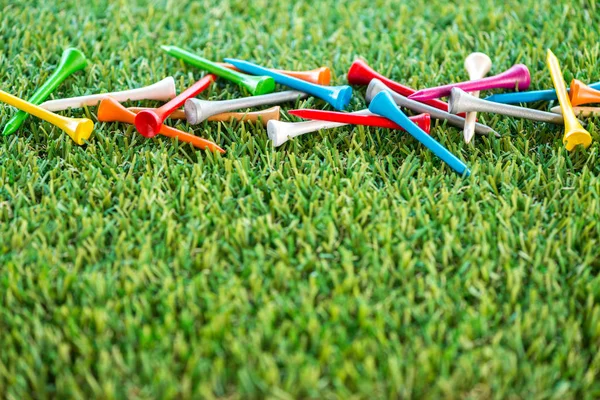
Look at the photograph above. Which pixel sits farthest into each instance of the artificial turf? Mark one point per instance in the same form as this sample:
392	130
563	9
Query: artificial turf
347	263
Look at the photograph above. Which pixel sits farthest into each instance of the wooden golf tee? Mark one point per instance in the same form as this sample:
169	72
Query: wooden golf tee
516	76
337	96
264	116
111	110
148	122
383	104
320	76
79	129
461	101
197	110
575	134
280	132
477	65
72	60
163	90
423	121
254	84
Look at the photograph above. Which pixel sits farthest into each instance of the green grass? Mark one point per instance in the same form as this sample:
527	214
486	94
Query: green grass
348	263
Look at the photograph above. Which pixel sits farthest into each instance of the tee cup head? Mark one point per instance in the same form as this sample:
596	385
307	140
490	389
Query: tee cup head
280	132
148	123
323	76
80	129
258	85
193	111
577	136
360	73
111	110
580	93
459	101
72	60
276	132
478	65
341	97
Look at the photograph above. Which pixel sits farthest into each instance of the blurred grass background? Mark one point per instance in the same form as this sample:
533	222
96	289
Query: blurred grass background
348	263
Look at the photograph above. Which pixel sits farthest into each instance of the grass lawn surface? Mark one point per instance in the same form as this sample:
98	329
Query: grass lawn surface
349	263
